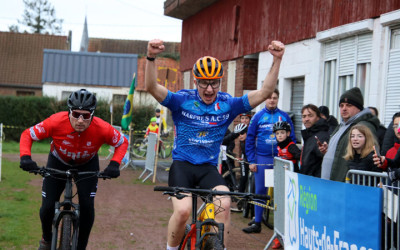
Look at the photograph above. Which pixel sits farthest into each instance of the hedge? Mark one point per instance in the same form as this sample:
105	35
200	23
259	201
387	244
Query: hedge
19	113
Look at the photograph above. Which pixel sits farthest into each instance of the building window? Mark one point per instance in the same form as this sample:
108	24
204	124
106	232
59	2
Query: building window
395	38
329	83
347	64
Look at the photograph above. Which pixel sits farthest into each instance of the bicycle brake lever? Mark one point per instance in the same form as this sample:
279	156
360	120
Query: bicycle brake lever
180	196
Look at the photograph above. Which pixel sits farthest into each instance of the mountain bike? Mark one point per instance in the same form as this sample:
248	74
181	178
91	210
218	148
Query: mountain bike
204	232
66	217
230	175
139	148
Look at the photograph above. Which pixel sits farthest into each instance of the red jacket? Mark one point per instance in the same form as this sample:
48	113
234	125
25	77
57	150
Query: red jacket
70	147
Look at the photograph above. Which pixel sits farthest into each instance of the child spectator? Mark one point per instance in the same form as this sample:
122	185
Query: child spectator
152	127
287	149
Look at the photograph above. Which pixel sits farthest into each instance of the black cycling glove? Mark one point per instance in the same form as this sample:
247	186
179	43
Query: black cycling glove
27	164
112	169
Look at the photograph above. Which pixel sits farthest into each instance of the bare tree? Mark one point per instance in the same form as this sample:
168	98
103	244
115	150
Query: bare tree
39	17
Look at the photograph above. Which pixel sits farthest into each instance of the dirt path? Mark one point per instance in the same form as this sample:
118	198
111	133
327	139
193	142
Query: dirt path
130	215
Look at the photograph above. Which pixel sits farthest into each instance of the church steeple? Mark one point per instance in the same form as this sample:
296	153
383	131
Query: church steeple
85	38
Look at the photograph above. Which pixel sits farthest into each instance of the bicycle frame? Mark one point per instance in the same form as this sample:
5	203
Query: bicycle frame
67	206
203	220
200	226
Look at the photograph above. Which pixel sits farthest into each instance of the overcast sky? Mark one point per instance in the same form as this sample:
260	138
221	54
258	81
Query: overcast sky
116	19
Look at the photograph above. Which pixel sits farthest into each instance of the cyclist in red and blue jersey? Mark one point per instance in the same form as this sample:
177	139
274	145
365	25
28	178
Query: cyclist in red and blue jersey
77	136
201	117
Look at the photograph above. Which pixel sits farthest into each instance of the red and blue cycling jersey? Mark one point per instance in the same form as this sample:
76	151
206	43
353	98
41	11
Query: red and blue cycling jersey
200	128
70	147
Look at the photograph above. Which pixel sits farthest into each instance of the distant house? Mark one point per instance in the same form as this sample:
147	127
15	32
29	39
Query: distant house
21	61
108	75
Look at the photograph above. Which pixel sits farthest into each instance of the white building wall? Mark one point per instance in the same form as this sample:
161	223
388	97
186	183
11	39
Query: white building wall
301	59
305	59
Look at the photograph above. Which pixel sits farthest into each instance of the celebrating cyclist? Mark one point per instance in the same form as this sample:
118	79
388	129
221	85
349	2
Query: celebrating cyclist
201	117
76	136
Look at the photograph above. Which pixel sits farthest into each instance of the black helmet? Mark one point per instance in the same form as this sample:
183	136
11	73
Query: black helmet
82	99
281	125
248	114
158	110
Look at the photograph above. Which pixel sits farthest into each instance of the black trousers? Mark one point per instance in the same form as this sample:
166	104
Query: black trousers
52	189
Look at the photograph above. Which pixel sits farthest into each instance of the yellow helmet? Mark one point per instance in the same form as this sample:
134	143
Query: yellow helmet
208	67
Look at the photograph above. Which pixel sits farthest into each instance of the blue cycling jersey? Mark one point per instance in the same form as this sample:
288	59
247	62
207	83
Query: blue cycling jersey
200	128
260	138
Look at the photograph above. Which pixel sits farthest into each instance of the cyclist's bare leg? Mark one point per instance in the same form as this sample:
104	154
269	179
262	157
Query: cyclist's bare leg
224	216
176	226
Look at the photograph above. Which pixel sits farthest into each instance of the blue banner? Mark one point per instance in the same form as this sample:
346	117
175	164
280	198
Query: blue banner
322	214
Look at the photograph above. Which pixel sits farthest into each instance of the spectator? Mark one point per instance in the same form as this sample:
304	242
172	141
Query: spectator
360	149
245	118
153	128
332	121
261	148
287	149
389	140
229	142
391	153
352	112
316	130
161	120
380	132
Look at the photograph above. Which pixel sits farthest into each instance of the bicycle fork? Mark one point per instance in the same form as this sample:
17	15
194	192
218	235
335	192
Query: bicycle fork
204	224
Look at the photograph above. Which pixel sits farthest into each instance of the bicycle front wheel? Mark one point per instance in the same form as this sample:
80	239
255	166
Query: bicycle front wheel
213	243
139	148
65	232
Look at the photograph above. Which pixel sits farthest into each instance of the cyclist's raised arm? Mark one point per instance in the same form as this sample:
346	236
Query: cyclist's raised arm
277	49
158	91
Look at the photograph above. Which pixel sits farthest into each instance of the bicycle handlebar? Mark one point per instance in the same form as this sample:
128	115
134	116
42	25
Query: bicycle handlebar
173	191
43	171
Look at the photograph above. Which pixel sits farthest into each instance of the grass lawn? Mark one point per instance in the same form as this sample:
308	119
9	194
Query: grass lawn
19	203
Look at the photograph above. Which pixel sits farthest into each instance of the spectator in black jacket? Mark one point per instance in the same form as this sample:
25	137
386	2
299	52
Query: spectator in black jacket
332	121
317	129
389	139
380	132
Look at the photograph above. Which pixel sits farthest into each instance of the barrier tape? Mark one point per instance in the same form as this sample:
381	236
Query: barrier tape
11	126
242	161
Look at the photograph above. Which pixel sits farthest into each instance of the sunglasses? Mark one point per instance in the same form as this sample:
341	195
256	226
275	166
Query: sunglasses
77	115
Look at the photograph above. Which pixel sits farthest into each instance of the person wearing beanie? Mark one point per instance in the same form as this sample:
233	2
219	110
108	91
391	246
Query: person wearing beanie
352	112
331	120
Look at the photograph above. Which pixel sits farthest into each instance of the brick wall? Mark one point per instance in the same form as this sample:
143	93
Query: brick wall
167	69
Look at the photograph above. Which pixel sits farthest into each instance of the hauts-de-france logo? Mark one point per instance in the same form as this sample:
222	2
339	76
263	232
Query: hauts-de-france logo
292	210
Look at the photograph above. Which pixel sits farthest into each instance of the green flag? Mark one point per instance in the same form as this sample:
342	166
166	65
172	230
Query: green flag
127	115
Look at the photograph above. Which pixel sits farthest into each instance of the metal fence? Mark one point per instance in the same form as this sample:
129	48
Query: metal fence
280	166
391	213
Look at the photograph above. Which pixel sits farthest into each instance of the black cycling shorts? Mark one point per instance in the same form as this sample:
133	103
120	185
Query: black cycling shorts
186	174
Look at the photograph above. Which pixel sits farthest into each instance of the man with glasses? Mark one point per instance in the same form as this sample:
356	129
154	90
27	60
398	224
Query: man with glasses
77	137
201	117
